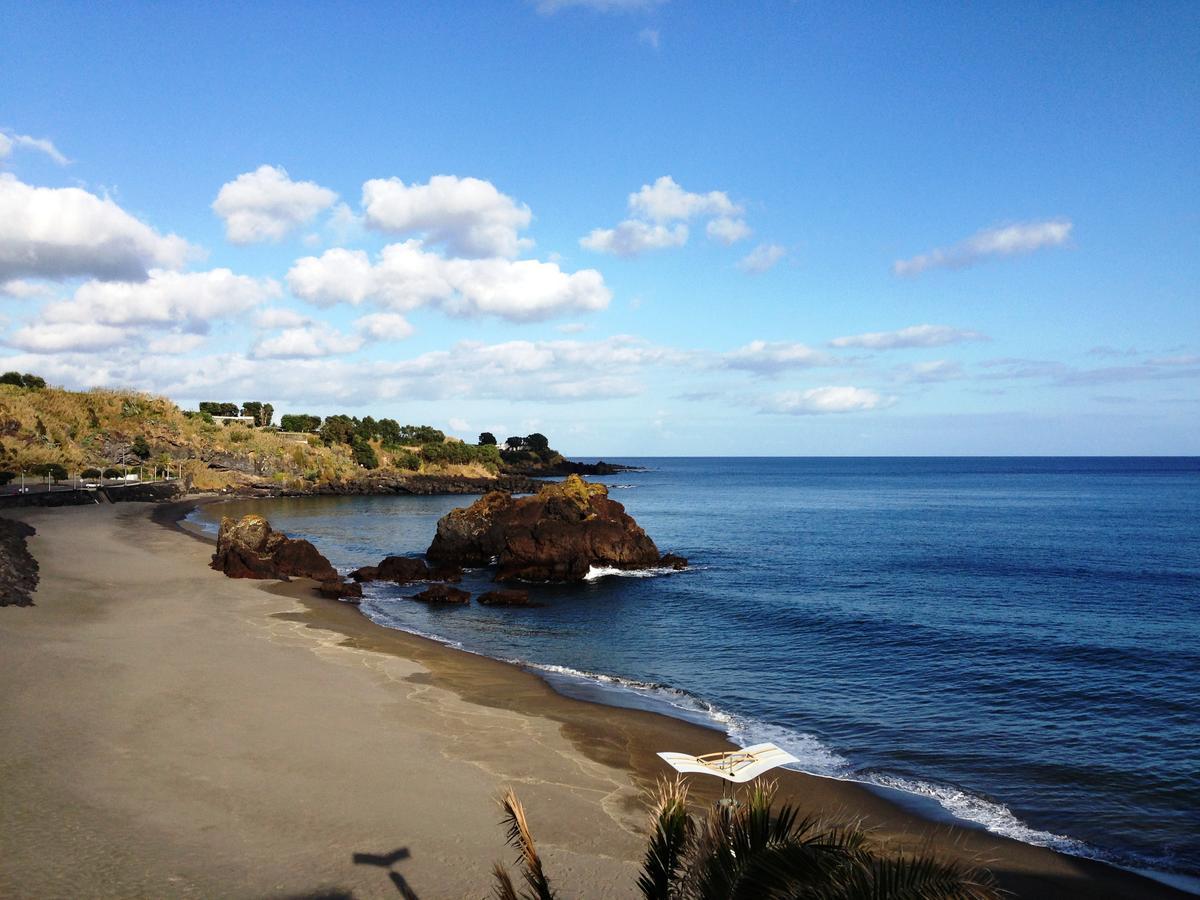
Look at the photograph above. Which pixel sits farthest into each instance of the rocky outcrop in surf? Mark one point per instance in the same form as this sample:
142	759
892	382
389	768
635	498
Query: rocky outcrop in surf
250	548
442	593
557	534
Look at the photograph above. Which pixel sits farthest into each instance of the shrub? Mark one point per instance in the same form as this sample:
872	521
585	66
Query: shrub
90	473
112	473
240	434
140	448
457	453
487	437
406	459
6	477
364	453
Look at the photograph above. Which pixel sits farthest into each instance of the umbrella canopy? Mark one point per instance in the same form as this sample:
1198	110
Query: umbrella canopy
737	766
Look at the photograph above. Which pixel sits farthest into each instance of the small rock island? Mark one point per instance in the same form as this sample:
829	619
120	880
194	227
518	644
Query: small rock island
557	534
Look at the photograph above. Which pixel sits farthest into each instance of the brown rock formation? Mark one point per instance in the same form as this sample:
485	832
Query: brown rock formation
555	535
349	591
442	593
249	548
504	598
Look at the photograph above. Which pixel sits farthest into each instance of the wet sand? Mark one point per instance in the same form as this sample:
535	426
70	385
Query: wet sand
168	732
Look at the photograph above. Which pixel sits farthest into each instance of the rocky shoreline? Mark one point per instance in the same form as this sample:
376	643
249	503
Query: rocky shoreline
18	568
384	485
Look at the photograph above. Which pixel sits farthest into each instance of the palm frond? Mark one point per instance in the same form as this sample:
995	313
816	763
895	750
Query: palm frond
521	839
503	889
671	831
917	878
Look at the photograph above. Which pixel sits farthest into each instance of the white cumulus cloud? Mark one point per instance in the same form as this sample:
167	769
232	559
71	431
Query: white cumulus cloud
58	337
468	215
24	290
1007	240
823	400
265	205
271	317
912	336
383	327
666	201
762	258
728	230
306	343
658	216
407	276
632	238
59	233
188	300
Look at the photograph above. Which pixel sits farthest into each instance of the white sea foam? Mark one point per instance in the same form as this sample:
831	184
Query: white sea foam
596	572
816	758
995	817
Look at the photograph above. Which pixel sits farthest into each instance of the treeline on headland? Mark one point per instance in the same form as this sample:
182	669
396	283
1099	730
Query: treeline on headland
48	431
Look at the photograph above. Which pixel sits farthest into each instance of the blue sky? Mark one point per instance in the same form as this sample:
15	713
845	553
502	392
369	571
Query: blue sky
639	227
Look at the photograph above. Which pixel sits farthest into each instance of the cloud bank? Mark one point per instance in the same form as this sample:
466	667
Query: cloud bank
407	276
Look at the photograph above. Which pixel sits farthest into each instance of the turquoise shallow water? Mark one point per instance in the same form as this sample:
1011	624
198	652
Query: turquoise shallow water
1017	639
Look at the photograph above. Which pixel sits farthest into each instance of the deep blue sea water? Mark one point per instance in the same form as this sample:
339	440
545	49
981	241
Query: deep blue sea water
1017	639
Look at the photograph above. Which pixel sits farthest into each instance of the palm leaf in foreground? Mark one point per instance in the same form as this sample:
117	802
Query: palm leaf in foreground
520	838
670	833
923	877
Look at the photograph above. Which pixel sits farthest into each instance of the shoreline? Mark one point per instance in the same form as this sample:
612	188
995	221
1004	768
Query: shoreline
617	741
923	808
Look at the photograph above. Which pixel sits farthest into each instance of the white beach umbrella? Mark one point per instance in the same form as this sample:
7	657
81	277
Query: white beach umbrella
738	766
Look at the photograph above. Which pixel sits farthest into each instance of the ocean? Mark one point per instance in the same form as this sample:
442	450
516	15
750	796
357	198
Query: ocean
1013	642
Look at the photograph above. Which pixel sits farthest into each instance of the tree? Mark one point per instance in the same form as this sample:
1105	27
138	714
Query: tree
54	470
389	432
140	448
537	442
420	434
301	422
112	473
487	437
364	453
90	473
16	379
253	409
337	430
748	848
268	413
515	443
219	409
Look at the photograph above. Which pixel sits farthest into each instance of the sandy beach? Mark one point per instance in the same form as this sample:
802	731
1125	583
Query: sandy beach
168	732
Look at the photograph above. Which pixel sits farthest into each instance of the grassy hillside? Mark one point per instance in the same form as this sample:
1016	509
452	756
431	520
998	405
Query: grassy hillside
102	427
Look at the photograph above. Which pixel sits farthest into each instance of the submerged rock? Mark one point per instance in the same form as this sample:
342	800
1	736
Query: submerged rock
442	593
349	591
556	535
400	569
250	548
405	570
504	598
